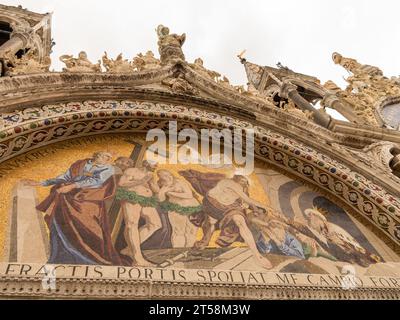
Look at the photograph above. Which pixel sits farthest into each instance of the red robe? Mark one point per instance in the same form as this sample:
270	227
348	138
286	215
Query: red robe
81	215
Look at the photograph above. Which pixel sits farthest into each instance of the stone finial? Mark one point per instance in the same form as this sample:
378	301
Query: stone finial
170	45
80	64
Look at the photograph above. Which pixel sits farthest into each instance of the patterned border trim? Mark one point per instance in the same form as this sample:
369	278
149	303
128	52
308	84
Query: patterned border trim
51	124
133	289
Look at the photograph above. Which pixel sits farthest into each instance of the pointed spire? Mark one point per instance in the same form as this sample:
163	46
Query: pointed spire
253	72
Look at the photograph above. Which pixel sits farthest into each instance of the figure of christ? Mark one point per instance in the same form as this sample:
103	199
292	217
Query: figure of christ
177	198
223	205
76	214
136	193
121	164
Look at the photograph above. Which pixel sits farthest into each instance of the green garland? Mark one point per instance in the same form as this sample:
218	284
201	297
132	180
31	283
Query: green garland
187	211
307	253
133	197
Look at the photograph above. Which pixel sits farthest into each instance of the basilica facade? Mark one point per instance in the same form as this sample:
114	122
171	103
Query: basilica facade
92	207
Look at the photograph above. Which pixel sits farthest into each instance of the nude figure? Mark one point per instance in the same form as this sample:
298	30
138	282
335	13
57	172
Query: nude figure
177	199
138	201
224	205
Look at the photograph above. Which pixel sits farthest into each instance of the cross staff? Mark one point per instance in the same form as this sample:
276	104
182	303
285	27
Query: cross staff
116	217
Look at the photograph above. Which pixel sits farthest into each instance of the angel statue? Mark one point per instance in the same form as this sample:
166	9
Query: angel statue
80	64
145	62
170	45
119	65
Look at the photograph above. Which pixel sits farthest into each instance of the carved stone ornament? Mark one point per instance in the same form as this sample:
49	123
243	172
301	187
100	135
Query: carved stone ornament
367	88
28	64
145	62
291	108
23	29
180	85
199	67
119	65
383	156
170	45
80	64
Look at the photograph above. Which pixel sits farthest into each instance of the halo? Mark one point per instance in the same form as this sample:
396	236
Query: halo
315	212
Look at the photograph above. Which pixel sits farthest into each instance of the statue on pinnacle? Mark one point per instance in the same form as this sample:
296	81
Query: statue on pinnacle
170	45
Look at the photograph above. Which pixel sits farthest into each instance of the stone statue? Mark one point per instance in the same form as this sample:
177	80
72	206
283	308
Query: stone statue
199	67
367	86
170	45
80	64
354	67
224	81
119	65
145	62
27	64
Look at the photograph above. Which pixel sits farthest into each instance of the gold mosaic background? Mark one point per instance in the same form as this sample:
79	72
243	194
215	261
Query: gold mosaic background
49	162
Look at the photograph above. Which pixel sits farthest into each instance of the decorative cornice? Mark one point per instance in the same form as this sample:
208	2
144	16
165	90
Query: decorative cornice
72	288
23	91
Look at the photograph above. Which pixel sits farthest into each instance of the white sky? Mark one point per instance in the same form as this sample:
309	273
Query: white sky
300	34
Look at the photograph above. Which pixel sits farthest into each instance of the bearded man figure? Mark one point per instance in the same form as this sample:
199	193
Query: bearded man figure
223	208
76	212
